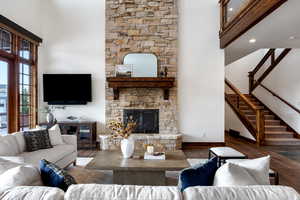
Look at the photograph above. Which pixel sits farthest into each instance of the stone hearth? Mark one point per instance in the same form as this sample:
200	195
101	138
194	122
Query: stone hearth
170	142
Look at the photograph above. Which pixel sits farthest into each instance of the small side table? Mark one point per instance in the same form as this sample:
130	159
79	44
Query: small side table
225	153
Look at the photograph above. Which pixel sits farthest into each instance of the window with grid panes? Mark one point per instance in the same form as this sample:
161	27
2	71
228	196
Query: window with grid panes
18	51
25	96
5	41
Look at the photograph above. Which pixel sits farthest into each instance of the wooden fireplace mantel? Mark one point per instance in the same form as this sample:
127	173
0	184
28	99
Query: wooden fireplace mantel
141	82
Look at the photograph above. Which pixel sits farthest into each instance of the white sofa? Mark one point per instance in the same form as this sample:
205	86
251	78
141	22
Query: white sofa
125	192
31	193
13	148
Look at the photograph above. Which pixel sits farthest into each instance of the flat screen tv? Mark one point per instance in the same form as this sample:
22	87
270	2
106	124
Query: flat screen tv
67	89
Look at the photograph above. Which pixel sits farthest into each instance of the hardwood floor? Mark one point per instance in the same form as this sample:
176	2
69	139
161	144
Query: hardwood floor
287	166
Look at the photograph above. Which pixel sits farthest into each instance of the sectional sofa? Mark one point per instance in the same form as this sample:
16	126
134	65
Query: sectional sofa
13	148
125	192
30	187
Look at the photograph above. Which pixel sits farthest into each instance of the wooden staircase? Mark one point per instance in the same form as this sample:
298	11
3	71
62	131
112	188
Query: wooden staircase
266	127
276	131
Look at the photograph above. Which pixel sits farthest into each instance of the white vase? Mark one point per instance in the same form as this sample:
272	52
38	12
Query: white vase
127	147
50	118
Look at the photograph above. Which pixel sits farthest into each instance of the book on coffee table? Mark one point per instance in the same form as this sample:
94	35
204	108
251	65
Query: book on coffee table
160	156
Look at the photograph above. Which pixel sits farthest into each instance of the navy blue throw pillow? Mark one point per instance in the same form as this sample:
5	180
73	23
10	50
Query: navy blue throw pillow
54	176
200	175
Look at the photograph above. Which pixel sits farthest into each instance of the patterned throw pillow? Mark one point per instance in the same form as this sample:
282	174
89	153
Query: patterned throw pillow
38	139
54	176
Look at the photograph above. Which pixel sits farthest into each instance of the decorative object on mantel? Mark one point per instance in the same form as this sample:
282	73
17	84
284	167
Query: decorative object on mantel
119	129
124	70
143	82
161	73
166	72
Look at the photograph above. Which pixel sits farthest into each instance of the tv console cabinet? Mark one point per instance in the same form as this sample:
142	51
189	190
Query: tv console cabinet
86	132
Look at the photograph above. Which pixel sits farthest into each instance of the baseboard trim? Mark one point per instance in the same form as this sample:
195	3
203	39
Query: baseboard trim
197	145
246	139
241	137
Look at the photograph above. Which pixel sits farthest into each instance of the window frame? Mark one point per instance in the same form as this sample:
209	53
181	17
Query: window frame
14	60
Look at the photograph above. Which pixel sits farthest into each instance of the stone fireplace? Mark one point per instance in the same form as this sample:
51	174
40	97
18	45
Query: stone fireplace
147	120
143	26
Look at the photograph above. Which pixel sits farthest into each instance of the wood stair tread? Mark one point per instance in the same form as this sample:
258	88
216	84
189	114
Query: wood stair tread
282	139
278	132
279	126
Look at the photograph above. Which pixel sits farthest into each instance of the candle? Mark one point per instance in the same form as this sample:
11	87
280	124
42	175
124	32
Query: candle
150	149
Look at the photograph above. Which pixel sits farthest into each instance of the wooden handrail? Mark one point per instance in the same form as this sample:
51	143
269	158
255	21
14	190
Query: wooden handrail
249	103
274	63
280	98
263	61
257	131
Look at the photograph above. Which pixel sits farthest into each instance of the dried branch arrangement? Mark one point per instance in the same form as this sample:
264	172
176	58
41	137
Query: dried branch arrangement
119	129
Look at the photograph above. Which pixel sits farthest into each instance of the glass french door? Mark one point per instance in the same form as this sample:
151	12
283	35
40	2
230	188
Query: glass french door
3	97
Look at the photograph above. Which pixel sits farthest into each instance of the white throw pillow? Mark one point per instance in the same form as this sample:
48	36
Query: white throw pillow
233	175
21	176
248	172
21	141
55	135
9	146
258	168
6	165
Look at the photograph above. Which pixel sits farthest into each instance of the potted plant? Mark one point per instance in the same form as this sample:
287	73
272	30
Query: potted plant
121	130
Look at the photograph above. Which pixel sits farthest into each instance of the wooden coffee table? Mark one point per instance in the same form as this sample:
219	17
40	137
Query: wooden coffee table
138	171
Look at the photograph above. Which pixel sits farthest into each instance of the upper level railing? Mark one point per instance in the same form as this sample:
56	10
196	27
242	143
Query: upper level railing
238	16
230	9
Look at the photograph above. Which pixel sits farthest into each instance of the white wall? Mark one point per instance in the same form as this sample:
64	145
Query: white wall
234	123
74	35
25	13
201	72
237	72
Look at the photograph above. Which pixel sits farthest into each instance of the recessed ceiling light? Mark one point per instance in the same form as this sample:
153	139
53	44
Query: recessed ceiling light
253	40
230	9
292	37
